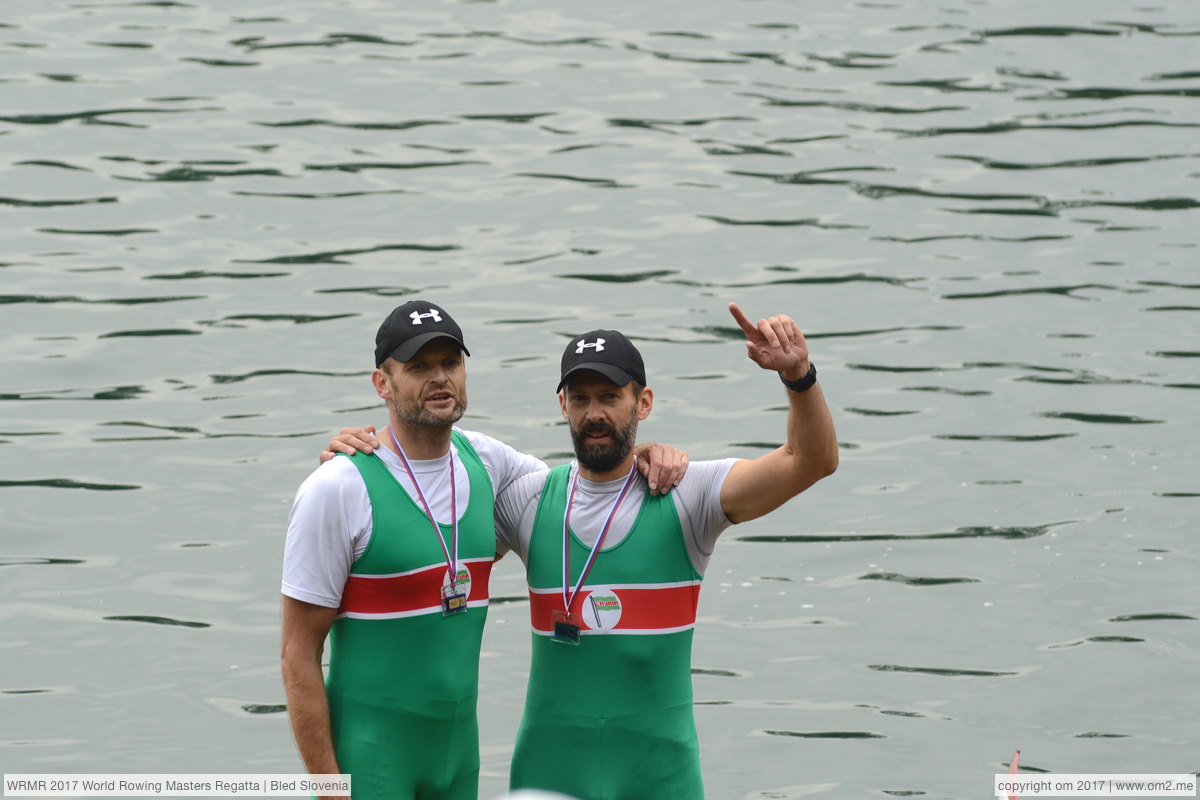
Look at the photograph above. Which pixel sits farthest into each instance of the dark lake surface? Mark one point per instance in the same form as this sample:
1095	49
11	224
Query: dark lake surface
983	214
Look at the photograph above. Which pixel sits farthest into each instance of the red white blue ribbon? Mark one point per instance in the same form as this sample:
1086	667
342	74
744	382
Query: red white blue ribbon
569	597
451	558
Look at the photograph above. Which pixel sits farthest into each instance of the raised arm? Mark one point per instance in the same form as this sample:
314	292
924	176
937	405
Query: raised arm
758	486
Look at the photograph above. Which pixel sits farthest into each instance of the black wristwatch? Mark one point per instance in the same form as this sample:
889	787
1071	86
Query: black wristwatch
805	383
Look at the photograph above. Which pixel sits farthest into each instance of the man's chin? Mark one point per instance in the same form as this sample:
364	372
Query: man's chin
599	458
431	419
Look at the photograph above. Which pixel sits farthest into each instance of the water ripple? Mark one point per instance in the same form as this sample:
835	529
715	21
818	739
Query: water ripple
120	301
99	232
942	672
153	620
196	274
22	203
908	580
603	183
190	173
31	561
255	43
53	164
365	126
667	125
184	430
272	373
221	62
1064	291
320	195
149	332
827	734
1014	126
617	277
869	108
70	483
1047	30
115	393
296	319
1074	163
362	166
1101	419
968	532
100	117
813	280
335	256
808	222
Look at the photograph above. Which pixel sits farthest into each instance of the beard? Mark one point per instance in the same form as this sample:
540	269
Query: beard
604	457
419	415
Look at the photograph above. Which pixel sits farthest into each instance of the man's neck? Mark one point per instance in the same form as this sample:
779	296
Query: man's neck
615	474
420	442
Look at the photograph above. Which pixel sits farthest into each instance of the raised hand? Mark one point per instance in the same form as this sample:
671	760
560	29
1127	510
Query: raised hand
774	344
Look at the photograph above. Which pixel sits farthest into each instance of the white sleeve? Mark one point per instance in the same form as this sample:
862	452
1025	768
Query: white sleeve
516	508
328	524
698	501
503	463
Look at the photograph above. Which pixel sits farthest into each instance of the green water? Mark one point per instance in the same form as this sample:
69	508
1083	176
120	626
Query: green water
982	214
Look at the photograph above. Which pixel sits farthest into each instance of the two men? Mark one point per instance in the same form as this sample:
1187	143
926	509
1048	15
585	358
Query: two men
614	576
389	555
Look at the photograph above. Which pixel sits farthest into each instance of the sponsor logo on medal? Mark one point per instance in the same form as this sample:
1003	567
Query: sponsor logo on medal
462	583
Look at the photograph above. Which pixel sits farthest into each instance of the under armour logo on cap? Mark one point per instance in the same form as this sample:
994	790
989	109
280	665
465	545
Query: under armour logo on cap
606	352
410	327
417	316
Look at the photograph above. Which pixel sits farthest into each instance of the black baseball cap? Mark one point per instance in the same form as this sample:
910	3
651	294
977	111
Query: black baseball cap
606	352
410	327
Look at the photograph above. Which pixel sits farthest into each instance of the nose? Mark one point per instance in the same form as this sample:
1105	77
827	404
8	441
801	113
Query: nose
594	412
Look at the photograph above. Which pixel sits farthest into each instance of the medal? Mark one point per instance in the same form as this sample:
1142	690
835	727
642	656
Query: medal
567	626
452	599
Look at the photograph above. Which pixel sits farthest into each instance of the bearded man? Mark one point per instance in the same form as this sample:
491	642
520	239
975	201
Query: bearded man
614	573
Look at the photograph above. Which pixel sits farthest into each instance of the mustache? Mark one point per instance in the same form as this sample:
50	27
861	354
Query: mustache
598	427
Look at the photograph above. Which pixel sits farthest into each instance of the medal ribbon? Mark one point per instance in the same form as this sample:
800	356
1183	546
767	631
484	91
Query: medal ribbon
451	558
569	598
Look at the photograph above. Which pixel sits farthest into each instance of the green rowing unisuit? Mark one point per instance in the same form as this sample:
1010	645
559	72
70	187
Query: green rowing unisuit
611	718
403	679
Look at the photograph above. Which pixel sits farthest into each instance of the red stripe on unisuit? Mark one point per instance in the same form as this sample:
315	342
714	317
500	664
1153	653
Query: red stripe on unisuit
409	591
651	608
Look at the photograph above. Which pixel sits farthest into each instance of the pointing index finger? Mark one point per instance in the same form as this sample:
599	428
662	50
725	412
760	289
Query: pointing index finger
748	327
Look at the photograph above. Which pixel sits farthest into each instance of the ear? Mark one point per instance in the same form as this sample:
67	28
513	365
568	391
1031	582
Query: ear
645	403
562	404
380	381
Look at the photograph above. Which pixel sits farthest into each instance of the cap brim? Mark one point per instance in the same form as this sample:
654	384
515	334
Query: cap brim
614	373
406	351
